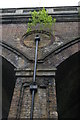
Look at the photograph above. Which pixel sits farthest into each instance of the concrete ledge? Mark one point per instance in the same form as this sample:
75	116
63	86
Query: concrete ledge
39	73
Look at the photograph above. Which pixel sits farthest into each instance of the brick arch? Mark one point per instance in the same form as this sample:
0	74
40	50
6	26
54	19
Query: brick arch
62	53
65	54
12	55
67	85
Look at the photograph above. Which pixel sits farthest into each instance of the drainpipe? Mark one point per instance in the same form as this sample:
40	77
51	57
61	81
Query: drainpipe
33	86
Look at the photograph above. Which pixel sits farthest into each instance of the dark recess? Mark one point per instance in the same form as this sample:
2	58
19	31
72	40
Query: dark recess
8	84
68	88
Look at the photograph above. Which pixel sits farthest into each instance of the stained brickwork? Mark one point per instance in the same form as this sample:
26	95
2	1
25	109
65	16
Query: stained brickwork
45	99
64	32
67	43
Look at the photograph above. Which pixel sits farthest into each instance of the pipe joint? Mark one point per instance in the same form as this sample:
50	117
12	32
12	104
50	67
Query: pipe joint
34	87
37	38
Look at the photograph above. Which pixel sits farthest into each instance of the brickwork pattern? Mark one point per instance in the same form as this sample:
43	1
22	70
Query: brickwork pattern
45	105
45	99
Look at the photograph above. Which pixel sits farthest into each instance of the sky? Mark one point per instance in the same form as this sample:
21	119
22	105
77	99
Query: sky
36	3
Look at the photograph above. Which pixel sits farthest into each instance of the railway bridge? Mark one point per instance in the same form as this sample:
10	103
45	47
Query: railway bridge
58	65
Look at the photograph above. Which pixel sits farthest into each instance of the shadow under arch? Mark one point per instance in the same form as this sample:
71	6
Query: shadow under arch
8	84
68	88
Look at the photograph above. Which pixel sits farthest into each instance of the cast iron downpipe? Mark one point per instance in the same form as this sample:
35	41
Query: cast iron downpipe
33	86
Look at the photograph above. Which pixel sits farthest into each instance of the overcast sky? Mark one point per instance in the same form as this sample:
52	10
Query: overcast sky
36	3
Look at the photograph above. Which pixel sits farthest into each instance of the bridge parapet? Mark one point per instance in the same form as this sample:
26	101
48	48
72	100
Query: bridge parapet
19	15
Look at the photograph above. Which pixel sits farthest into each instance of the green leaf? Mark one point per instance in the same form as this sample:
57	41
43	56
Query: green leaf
40	17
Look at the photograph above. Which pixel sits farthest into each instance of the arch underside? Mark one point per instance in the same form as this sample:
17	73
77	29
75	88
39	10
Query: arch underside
8	84
68	88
